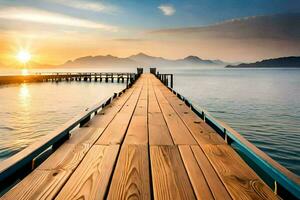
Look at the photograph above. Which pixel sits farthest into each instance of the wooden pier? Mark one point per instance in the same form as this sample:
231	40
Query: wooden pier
118	77
143	143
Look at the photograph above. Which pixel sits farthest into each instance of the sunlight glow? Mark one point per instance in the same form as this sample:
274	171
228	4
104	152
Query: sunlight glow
24	72
23	56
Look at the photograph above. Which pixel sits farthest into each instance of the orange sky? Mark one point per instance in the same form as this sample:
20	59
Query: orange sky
80	29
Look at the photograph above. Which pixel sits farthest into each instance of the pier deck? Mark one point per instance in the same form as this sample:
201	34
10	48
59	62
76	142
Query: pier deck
146	144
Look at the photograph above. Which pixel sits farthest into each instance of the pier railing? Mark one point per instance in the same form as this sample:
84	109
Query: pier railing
166	79
22	163
284	183
70	76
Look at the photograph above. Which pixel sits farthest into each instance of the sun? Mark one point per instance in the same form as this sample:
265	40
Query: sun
23	56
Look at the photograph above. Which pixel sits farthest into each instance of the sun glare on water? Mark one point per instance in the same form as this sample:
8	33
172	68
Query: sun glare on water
23	56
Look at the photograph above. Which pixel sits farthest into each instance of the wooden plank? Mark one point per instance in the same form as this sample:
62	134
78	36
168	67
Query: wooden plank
196	176
116	130
108	113
216	186
178	130
170	180
131	176
67	157
85	135
137	132
200	130
40	184
91	178
159	133
239	179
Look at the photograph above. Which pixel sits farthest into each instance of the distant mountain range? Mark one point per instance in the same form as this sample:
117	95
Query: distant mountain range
140	59
283	62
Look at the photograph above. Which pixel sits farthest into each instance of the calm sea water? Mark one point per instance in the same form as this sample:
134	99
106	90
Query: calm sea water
29	111
262	104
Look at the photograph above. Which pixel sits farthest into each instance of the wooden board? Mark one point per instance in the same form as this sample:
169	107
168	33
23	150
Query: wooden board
91	178
40	184
159	133
201	188
116	130
239	179
178	130
131	176
200	130
85	135
67	157
169	178
216	185
137	132
108	113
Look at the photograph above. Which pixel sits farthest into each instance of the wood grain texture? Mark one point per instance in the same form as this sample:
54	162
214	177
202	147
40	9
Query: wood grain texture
200	130
216	185
91	178
169	178
196	176
137	132
239	179
40	184
116	130
105	116
159	133
179	132
66	157
85	135
131	177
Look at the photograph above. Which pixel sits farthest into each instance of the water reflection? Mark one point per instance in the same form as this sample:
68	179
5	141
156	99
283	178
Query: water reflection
24	96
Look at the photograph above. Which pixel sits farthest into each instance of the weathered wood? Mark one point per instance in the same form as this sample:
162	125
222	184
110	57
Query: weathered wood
239	179
178	130
201	188
131	177
91	178
169	178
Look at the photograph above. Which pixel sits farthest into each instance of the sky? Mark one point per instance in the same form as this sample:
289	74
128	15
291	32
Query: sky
55	31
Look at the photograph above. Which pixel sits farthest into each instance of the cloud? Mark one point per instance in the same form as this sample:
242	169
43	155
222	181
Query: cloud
46	17
272	27
87	5
167	10
246	39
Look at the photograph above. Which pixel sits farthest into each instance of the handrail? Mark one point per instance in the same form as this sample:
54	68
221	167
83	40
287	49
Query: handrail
286	183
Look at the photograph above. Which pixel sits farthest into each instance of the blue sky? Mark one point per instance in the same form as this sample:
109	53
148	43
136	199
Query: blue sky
120	24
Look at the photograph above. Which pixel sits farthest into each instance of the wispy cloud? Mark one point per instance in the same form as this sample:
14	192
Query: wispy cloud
167	9
88	5
46	17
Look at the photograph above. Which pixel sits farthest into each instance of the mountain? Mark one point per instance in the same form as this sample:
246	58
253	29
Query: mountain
140	59
101	61
291	61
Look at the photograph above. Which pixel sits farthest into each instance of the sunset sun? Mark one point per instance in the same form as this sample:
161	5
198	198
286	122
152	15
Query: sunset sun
23	56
